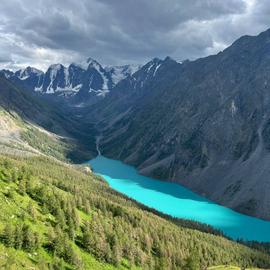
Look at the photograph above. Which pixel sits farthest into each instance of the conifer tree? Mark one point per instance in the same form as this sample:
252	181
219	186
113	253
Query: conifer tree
8	236
30	239
57	264
60	217
22	187
18	241
192	262
31	210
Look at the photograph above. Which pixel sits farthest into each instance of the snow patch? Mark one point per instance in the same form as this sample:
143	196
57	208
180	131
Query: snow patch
150	67
102	93
77	88
156	69
66	76
24	77
233	108
38	89
119	73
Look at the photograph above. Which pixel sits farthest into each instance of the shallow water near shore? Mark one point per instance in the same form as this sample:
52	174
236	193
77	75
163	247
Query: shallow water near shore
178	201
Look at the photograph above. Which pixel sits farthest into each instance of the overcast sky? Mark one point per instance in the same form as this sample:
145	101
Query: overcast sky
40	33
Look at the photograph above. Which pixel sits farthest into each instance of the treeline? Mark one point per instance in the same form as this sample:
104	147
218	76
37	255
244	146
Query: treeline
66	212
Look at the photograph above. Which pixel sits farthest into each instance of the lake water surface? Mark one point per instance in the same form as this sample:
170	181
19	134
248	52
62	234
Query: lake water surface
178	201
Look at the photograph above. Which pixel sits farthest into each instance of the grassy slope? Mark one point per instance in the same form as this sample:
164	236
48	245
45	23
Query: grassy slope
61	178
75	136
27	137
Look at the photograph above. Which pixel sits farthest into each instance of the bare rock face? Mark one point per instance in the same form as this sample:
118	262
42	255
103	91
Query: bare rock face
87	170
205	124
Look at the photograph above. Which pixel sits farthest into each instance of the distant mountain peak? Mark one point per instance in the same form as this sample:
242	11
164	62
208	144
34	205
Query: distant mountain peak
86	63
86	78
33	70
94	64
24	74
92	60
119	73
168	58
56	66
7	73
155	60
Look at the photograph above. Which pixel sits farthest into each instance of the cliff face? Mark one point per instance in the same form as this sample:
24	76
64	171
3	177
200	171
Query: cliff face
205	124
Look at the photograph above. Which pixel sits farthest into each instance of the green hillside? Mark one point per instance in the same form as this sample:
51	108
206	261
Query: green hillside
57	215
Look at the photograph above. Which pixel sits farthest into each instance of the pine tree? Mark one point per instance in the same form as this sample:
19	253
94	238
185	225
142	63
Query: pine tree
71	232
30	239
51	237
69	254
192	262
18	242
57	264
87	240
60	218
8	236
116	254
76	218
31	210
58	247
22	187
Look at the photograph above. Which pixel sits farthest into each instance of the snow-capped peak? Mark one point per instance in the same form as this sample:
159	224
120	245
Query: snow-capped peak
118	73
86	63
91	60
24	74
55	67
153	66
7	73
33	70
94	64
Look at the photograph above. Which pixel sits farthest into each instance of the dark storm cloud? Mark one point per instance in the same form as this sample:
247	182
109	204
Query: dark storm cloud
123	31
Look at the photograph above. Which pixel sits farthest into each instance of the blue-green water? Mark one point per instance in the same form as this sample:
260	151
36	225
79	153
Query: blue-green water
177	201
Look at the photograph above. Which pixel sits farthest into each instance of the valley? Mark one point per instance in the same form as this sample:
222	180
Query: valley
202	127
203	124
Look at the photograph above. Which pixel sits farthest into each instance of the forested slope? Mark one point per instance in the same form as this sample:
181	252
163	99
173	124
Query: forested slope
57	214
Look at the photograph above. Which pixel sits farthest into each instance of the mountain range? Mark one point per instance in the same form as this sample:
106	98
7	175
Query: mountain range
202	123
83	80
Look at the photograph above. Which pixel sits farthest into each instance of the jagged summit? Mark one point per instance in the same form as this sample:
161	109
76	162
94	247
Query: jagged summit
86	63
85	79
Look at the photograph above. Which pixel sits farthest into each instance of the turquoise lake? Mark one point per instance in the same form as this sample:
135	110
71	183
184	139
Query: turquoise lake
178	201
